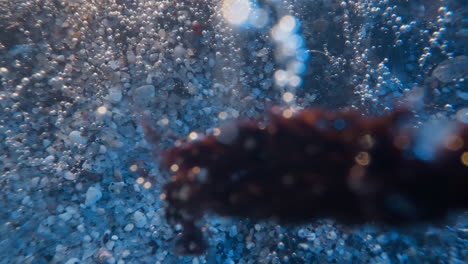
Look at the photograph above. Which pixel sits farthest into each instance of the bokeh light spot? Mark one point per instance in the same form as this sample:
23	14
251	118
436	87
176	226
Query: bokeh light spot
134	168
362	158
102	110
454	143
464	158
288	113
462	115
174	167
288	97
193	135
236	11
222	115
140	180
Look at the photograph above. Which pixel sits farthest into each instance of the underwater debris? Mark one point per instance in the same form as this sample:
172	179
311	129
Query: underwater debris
298	166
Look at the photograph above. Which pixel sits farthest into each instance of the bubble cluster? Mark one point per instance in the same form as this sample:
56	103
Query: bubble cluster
381	50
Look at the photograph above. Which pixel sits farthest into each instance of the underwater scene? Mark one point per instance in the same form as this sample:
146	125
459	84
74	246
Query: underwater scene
233	131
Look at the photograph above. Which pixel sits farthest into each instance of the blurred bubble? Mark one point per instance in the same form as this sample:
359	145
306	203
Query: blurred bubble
288	97
174	167
285	30
462	115
133	168
140	180
281	77
102	110
297	67
258	18
294	81
193	136
464	158
288	24
222	115
430	138
236	11
290	51
147	185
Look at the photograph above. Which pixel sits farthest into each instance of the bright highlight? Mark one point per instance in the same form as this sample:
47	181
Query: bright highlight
236	11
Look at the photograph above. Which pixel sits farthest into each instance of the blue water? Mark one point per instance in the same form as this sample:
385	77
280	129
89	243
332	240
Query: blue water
81	182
